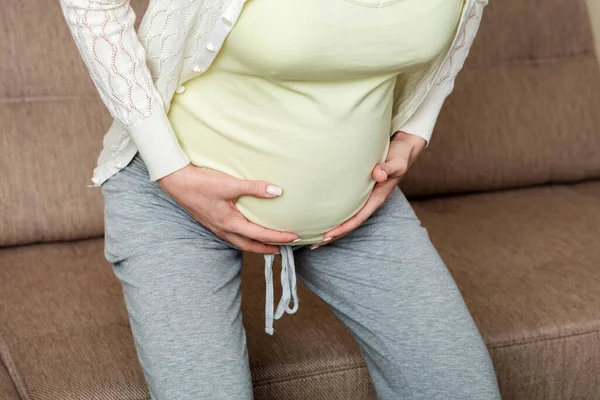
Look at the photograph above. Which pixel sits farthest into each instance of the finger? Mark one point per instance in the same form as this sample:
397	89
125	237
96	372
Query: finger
242	226
255	188
250	245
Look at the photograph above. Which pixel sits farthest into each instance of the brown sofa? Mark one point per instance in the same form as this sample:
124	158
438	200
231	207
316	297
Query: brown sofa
509	191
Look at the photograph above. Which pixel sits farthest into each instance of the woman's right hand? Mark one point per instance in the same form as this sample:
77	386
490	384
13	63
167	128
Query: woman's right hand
210	195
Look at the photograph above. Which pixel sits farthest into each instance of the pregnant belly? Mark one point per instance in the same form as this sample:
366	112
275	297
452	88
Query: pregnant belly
325	174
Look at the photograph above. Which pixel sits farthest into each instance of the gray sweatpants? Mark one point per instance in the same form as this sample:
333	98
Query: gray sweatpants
384	280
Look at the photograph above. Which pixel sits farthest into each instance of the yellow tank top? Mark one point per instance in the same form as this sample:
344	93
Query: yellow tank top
300	95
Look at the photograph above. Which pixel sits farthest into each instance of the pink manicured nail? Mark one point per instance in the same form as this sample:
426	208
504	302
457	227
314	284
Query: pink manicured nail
327	239
297	240
384	175
313	247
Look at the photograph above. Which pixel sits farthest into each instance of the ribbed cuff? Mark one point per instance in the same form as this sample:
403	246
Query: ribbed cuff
422	121
158	146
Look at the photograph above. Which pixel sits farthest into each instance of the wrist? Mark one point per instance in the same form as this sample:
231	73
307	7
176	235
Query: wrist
415	140
174	178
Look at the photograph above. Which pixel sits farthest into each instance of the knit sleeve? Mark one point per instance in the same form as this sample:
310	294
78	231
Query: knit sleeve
422	121
104	33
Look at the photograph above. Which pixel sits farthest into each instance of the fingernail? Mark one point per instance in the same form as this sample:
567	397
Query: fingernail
313	247
384	175
297	240
277	252
327	239
274	190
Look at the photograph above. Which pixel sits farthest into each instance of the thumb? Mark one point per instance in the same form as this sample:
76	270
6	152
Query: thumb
394	168
381	172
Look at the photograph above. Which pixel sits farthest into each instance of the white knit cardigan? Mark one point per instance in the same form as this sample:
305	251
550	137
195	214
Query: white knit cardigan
137	74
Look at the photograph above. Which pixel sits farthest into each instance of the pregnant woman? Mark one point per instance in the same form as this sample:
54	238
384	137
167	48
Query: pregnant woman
279	127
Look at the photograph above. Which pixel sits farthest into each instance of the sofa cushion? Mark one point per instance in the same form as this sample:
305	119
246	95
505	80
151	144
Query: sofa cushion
64	324
526	262
46	155
52	122
8	391
514	30
513	126
524	107
42	62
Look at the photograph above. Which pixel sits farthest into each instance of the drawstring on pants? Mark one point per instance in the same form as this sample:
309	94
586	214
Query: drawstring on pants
288	285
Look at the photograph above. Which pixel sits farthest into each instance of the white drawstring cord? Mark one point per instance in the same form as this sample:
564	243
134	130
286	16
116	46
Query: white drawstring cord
288	285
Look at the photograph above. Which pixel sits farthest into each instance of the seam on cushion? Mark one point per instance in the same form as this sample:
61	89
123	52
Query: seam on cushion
289	378
38	99
523	62
54	242
15	377
550	184
543	339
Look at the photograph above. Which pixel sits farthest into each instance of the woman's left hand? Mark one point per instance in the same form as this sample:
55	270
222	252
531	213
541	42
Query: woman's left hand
404	149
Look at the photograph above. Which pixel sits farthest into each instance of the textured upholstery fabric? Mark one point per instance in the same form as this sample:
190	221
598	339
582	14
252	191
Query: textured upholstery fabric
7	388
528	275
49	66
524	109
51	127
518	31
527	263
45	154
513	126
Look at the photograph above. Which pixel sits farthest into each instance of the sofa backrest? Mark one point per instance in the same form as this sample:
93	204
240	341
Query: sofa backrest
51	127
525	109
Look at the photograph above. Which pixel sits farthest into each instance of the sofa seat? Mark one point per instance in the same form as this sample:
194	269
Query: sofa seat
526	261
528	264
8	391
